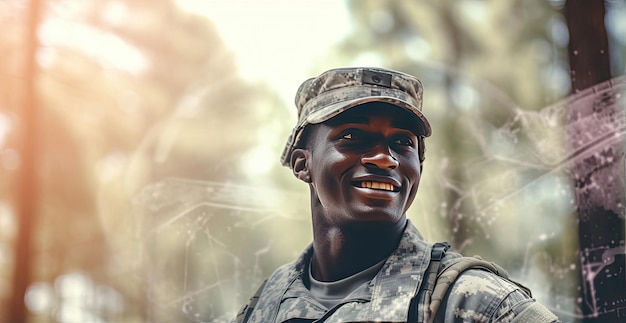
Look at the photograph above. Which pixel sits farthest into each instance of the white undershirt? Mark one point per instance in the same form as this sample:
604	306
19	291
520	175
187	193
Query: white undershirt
330	294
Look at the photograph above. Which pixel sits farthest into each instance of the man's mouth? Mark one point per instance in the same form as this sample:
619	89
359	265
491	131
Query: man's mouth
379	186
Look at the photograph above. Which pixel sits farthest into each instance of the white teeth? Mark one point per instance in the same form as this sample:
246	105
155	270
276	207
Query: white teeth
377	186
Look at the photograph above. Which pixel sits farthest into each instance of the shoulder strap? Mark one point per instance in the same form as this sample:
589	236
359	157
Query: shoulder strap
244	313
437	281
451	272
423	294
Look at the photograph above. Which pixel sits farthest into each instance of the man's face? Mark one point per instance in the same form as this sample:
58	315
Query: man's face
364	164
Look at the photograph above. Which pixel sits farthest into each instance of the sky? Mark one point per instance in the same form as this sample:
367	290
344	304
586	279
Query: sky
265	50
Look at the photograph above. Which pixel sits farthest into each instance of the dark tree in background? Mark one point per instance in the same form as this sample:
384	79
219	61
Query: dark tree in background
597	134
588	43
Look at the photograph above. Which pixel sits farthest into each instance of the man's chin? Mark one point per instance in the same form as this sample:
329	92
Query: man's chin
377	214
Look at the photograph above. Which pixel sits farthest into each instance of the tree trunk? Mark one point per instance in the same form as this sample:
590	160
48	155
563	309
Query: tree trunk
27	193
588	43
596	130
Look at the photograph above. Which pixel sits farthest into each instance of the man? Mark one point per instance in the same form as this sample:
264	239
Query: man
359	144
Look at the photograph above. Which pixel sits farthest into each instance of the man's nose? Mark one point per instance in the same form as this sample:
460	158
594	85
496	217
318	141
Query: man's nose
382	160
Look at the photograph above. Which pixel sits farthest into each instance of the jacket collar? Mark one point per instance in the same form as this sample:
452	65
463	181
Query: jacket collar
386	298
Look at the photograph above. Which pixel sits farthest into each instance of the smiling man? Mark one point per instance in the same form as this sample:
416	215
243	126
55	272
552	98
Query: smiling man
359	145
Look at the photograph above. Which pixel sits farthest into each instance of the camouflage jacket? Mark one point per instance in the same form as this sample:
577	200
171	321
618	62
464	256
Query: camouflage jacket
476	295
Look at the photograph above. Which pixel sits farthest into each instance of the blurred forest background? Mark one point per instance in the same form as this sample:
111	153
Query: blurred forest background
140	144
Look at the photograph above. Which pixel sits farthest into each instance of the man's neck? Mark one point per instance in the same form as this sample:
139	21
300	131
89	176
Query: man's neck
344	250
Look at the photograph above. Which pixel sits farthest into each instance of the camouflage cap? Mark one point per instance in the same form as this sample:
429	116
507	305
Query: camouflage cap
335	91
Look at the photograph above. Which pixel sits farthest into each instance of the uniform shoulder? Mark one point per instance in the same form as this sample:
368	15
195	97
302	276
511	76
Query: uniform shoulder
471	288
483	296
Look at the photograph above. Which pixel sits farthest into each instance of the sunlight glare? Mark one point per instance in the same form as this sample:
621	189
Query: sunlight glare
107	48
276	41
258	160
40	298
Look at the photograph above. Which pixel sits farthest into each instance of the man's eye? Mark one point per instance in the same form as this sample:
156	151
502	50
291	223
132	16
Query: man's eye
350	135
404	141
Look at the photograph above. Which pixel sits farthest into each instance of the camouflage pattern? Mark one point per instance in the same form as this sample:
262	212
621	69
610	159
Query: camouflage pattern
337	90
476	296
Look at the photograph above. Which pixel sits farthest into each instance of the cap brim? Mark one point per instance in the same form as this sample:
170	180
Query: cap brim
335	109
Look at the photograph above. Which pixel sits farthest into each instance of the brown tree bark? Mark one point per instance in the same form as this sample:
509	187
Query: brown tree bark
28	188
596	130
588	43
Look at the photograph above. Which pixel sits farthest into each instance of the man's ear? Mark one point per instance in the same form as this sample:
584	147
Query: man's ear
299	163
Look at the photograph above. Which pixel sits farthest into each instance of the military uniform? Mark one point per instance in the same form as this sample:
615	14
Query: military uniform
476	296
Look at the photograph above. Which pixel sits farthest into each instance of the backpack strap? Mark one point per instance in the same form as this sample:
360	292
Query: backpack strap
437	280
450	273
244	313
423	294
